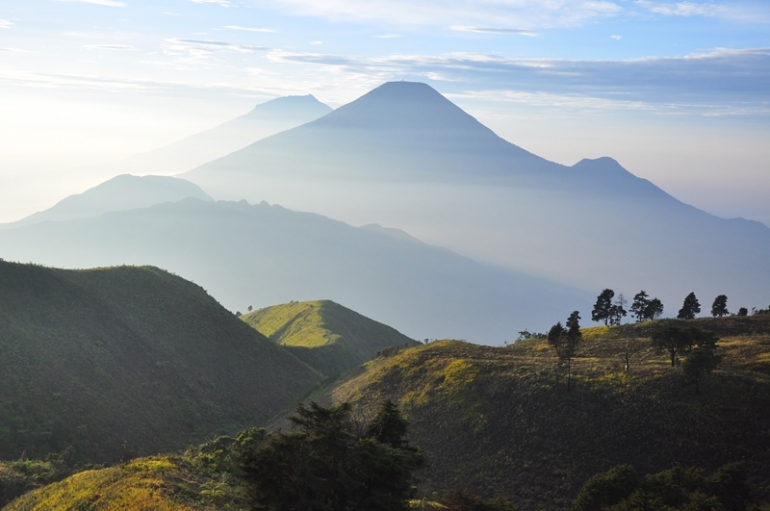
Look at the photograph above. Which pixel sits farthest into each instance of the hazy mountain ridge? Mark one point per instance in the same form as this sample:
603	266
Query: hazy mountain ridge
261	255
326	335
120	193
264	120
404	156
129	358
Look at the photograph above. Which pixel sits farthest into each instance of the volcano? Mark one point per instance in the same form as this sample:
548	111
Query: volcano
405	156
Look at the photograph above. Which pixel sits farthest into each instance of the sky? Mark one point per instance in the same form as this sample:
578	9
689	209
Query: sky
677	91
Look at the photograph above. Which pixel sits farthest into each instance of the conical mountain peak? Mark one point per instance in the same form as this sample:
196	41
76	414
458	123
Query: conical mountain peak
402	106
290	106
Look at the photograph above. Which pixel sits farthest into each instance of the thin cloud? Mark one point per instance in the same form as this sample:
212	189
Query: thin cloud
200	48
616	37
108	3
480	13
6	23
490	30
223	3
684	8
251	29
314	58
124	47
725	78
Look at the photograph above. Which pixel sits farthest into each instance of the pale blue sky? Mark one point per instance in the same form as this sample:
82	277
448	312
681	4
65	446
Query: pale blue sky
678	92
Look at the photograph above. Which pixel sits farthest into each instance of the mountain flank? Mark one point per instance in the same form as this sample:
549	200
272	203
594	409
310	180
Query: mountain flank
111	360
265	119
501	421
327	336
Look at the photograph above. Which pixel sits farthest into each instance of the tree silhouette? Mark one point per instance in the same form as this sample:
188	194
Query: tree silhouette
326	464
639	306
654	309
673	339
690	307
603	307
618	310
702	360
565	341
719	307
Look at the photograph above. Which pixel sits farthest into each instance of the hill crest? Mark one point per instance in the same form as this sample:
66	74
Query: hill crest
328	336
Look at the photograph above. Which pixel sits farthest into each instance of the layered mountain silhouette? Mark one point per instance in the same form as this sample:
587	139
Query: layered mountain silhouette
405	156
119	193
264	120
262	255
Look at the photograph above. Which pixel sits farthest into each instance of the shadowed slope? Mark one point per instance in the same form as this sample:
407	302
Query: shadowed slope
137	358
329	337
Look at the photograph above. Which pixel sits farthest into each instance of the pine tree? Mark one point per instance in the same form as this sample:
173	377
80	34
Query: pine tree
603	307
653	310
719	307
326	464
639	306
690	307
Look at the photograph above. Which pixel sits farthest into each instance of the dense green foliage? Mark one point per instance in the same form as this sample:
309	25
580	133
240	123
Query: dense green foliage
21	476
678	488
128	359
327	463
327	336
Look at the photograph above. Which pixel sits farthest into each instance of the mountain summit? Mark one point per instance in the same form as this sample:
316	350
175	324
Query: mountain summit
398	131
264	120
404	156
403	106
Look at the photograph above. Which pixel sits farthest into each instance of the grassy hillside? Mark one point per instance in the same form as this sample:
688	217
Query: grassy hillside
161	483
329	337
501	421
128	360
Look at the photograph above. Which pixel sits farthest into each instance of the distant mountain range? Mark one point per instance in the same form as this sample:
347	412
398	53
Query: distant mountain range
405	156
266	119
261	255
118	194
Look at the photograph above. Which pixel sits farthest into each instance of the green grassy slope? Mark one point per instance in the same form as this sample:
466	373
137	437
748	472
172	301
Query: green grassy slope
160	483
501	421
329	337
135	357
